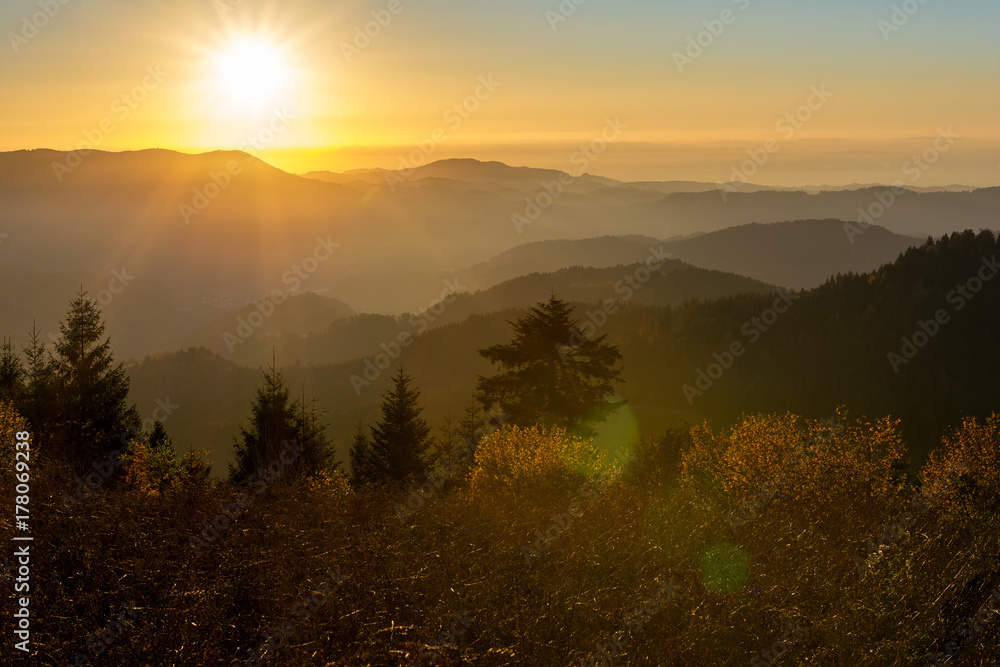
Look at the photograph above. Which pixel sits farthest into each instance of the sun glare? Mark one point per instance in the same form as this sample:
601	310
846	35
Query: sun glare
252	75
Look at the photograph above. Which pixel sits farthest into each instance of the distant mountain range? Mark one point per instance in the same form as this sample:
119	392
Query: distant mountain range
498	174
797	254
345	338
203	234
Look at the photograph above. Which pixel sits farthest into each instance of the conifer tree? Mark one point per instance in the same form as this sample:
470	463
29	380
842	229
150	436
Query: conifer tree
317	451
364	468
401	440
473	423
276	424
38	403
551	374
11	373
91	390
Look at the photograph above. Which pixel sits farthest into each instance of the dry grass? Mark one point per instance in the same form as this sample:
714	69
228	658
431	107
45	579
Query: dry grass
461	552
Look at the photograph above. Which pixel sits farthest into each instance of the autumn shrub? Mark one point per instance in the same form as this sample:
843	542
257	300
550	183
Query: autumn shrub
534	458
816	465
10	424
963	477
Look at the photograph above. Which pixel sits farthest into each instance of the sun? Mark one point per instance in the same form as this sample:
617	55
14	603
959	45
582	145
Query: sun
252	75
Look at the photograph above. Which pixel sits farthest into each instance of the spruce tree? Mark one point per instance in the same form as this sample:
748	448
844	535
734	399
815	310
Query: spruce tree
473	424
444	444
364	468
91	390
276	424
38	403
401	440
317	450
11	374
273	426
551	374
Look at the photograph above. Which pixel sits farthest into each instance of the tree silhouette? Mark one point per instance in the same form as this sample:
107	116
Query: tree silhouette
317	451
277	424
400	441
552	375
38	403
473	423
11	373
92	391
363	467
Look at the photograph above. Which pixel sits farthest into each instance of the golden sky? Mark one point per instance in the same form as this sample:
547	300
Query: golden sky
696	83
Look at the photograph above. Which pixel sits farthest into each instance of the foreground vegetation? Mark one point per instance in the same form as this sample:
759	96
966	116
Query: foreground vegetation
507	537
706	547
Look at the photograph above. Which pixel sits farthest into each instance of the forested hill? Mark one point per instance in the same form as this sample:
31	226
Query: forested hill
936	311
830	347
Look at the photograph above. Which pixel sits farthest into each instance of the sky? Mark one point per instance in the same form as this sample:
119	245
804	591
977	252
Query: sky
694	85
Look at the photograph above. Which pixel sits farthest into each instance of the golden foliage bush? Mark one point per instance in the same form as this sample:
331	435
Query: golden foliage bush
521	458
963	477
330	484
818	465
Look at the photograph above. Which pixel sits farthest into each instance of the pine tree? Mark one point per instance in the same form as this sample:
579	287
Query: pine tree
317	450
364	468
443	445
473	424
400	441
92	392
551	374
38	402
276	423
273	425
12	374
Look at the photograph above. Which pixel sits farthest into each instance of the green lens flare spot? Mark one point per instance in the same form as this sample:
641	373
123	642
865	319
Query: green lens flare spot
724	567
618	436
